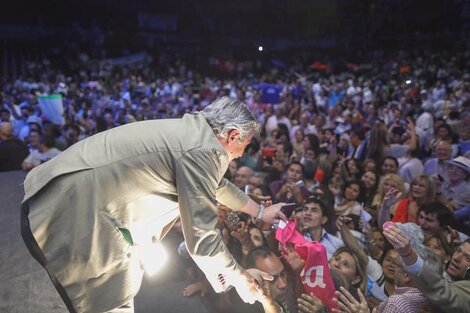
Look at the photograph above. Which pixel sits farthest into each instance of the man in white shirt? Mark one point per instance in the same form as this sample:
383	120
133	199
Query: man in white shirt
314	217
43	153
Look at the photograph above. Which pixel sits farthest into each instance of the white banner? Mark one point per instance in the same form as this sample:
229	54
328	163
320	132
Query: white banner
53	108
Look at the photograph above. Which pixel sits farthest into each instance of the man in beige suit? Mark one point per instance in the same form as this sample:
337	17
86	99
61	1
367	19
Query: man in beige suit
87	212
452	297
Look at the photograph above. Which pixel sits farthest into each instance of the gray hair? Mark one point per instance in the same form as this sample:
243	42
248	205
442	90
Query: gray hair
226	114
431	259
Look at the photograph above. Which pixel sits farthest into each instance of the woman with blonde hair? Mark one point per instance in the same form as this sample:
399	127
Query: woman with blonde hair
421	191
346	262
387	183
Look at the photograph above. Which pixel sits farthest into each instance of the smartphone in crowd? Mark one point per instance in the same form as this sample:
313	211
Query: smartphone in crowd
288	208
268	153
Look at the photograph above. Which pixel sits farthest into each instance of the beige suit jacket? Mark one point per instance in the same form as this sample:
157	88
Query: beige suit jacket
450	297
140	177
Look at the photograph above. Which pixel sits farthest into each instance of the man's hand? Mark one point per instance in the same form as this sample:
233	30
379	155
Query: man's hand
452	236
201	287
259	199
342	221
242	234
285	189
273	214
398	239
347	303
249	285
309	303
259	276
293	259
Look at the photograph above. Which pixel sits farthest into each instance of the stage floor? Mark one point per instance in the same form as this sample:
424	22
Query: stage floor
25	287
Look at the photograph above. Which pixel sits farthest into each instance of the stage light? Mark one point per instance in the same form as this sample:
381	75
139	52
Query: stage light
153	257
260	48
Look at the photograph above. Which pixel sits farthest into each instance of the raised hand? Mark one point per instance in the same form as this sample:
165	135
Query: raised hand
243	235
273	214
259	199
249	284
293	259
391	197
341	221
201	287
398	239
309	303
347	303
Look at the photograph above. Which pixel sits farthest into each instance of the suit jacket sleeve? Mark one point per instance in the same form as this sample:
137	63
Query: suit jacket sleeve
230	195
450	297
198	174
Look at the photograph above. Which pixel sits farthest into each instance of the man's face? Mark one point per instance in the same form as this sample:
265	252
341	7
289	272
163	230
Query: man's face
34	139
254	181
389	167
319	121
71	135
400	277
294	173
460	262
443	133
242	176
429	224
312	216
24	113
256	236
108	117
233	167
5	117
236	147
395	138
455	174
309	154
274	267
465	134
443	151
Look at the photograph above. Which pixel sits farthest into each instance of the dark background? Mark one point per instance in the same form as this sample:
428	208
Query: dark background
230	27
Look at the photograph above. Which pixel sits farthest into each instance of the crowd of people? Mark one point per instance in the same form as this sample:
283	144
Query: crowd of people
385	140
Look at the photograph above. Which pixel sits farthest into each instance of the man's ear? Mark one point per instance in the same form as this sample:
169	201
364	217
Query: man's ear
407	277
233	135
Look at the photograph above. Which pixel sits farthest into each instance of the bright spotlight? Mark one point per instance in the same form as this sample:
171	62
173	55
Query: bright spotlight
260	48
153	256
